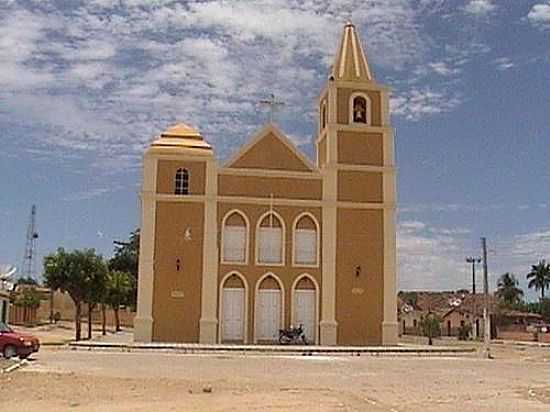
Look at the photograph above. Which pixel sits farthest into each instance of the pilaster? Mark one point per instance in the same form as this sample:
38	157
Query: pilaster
209	290
389	323
143	322
328	325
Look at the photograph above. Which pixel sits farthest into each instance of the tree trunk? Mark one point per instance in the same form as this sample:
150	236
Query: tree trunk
103	320
430	341
78	313
542	292
90	306
51	305
117	319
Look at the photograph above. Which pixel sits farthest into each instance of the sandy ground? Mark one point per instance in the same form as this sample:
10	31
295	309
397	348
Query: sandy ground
61	379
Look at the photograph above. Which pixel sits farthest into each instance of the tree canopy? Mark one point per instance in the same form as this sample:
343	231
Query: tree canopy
508	291
81	273
539	277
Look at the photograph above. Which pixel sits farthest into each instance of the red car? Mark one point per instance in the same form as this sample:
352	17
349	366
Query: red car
16	344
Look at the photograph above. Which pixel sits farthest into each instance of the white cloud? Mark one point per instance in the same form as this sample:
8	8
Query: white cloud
418	103
429	257
539	15
443	69
433	258
504	63
480	7
109	76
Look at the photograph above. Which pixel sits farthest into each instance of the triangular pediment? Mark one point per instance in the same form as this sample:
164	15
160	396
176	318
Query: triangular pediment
270	149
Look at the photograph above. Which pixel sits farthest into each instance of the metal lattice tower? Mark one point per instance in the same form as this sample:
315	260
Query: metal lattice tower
28	267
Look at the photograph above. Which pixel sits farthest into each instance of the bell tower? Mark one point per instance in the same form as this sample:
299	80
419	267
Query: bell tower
355	153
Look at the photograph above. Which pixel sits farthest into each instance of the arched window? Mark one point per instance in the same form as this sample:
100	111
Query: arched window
323	115
360	110
270	235
182	182
235	238
306	232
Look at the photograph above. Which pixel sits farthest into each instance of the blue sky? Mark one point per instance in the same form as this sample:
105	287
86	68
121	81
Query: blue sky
85	85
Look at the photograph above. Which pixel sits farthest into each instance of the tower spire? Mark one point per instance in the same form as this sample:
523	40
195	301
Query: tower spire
351	62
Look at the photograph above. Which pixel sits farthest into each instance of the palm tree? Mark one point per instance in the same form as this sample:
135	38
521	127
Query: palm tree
507	289
539	277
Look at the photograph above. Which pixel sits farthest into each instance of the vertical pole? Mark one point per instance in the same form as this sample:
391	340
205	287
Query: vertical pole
474	309
487	334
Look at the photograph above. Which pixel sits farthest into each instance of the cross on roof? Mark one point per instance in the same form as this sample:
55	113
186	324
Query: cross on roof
273	104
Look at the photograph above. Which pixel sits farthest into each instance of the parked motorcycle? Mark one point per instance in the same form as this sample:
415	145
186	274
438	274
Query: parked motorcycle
293	336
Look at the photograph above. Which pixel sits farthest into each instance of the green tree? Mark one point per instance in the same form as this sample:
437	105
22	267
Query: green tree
430	326
119	292
126	259
508	291
73	272
96	290
545	309
539	277
26	280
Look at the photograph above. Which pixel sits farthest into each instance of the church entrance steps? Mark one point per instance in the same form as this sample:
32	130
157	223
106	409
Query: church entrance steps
197	348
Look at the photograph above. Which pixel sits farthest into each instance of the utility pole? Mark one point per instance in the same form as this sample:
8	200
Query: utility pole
486	320
473	261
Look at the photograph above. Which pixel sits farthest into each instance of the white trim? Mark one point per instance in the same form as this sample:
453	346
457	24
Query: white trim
263	201
256	290
259	135
317	301
283	239
325	107
234	171
355	54
318	240
343	54
247	237
368	109
220	306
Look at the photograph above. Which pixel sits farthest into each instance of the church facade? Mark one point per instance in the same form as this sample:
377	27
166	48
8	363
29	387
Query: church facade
232	253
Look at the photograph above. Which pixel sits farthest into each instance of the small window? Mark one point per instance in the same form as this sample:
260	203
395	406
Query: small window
270	240
323	116
182	182
360	110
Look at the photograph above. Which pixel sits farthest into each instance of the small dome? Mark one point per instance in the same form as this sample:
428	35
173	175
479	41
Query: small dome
181	130
181	136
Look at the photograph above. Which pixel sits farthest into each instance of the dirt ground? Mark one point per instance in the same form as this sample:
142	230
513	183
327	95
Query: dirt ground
60	379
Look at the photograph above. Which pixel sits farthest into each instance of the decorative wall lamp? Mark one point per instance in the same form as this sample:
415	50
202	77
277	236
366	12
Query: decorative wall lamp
357	270
178	264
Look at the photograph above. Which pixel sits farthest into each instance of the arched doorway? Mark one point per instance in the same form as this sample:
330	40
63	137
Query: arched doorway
233	307
305	304
269	308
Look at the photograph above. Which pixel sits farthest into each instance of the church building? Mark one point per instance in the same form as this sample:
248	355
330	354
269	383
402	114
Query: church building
233	252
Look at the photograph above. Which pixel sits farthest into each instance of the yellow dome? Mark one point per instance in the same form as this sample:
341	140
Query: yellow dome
181	136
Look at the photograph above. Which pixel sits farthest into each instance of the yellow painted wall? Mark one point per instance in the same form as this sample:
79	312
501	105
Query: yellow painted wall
252	272
356	186
167	172
360	148
343	98
253	186
176	319
270	153
359	299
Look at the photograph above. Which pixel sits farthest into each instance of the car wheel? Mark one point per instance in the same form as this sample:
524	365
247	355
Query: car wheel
10	351
24	356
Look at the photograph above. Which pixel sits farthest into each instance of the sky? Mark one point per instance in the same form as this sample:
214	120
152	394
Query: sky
86	85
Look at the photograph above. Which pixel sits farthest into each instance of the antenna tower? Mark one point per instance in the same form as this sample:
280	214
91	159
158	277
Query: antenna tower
30	247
